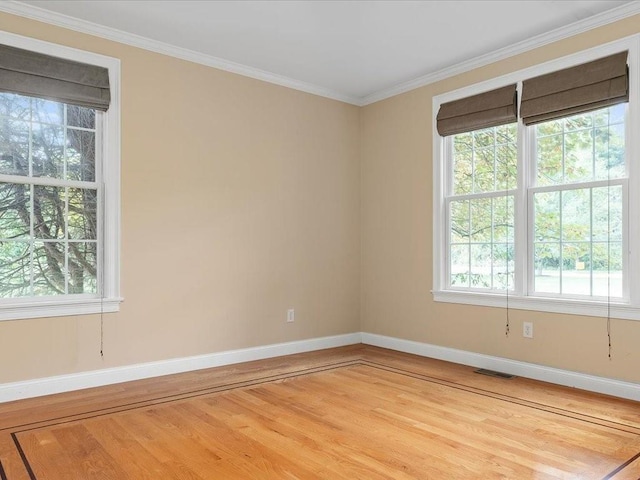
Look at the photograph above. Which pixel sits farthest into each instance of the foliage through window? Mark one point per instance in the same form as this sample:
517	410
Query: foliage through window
49	198
481	234
577	192
578	198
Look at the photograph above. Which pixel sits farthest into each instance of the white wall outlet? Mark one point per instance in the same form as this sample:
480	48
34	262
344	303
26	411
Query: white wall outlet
291	315
527	329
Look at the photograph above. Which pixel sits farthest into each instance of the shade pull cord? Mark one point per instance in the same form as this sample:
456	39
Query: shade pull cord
608	243
101	247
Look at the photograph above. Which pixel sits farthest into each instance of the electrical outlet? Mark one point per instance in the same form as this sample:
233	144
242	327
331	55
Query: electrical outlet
527	329
291	315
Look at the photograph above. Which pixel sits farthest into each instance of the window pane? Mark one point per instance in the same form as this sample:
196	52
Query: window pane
550	158
463	172
15	106
83	214
607	213
81	117
481	220
506	167
576	274
47	150
547	267
81	155
460	221
578	156
14	146
483	138
503	212
553	127
503	266
609	152
15	269
481	265
48	268
15	211
607	269
82	267
484	170
546	207
459	266
47	111
579	122
506	134
48	212
576	214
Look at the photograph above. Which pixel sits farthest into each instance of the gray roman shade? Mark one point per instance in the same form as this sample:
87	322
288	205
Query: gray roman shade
484	110
574	90
39	75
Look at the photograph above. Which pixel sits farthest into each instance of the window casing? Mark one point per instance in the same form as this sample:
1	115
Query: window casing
592	266
70	164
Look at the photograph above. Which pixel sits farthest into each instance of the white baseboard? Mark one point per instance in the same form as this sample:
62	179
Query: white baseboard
97	378
567	378
108	376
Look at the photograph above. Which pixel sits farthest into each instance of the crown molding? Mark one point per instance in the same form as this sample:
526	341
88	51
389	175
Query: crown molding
15	7
581	26
83	26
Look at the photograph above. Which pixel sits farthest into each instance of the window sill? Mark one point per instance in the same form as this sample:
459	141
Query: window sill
539	304
23	309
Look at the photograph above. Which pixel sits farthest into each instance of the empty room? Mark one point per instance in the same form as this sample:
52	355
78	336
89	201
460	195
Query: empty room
319	240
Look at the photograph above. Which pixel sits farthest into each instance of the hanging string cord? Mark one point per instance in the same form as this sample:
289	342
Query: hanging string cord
102	269
609	242
507	327
508	320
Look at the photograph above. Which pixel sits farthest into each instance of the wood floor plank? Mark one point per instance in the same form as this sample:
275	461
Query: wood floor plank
347	413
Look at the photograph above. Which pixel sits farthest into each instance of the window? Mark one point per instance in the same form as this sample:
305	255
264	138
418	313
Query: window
480	208
577	196
539	210
59	186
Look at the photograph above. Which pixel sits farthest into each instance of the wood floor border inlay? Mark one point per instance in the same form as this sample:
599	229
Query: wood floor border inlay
16	430
515	400
173	398
622	467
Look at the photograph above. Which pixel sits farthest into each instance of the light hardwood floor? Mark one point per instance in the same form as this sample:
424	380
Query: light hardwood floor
348	413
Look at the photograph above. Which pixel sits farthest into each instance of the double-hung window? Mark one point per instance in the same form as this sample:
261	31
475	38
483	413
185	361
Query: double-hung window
536	187
59	186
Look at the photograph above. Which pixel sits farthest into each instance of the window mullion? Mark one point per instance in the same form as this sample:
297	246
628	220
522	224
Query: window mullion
521	213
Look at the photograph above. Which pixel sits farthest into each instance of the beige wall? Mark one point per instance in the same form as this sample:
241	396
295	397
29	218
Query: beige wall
397	241
240	199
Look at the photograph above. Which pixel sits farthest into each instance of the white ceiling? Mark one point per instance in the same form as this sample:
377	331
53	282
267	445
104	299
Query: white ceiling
348	49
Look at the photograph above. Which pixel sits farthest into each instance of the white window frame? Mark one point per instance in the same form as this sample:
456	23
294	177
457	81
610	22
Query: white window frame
520	298
109	263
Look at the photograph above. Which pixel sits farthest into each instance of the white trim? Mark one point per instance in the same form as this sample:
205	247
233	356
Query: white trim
63	307
567	378
96	378
84	26
12	309
43	15
581	26
108	376
567	306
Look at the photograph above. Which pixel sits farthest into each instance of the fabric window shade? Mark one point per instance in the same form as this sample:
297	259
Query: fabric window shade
488	109
43	76
575	90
